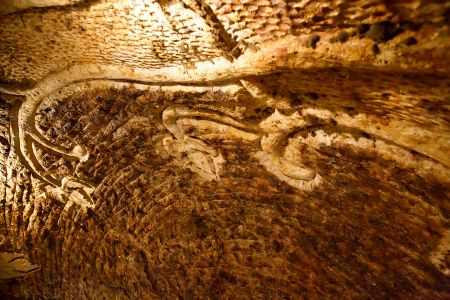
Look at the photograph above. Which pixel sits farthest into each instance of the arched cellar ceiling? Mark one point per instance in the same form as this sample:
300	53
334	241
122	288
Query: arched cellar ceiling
224	149
154	34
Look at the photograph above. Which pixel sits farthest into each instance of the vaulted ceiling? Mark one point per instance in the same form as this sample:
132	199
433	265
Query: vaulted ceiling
224	149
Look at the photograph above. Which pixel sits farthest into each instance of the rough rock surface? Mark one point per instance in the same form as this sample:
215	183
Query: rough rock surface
225	149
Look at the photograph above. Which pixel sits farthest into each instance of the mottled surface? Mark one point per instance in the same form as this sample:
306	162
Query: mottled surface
154	34
150	35
420	98
354	92
160	231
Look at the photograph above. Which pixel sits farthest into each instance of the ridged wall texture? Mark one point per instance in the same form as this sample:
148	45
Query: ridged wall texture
225	149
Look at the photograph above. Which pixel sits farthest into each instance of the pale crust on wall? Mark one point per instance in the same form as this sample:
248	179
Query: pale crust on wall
224	149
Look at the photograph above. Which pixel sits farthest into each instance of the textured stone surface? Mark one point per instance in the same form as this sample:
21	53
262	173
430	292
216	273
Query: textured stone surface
226	149
10	6
134	34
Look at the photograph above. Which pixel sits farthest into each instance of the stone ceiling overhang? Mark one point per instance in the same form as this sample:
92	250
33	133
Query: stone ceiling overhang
325	116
